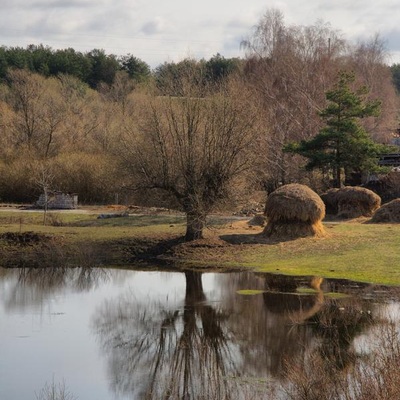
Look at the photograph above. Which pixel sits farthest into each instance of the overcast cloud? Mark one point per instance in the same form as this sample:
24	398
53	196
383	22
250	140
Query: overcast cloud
158	31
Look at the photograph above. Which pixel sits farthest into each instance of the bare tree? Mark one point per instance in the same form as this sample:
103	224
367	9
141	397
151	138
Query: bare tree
26	91
193	146
290	68
368	60
38	111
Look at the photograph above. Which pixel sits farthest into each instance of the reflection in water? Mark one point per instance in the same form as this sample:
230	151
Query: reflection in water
199	350
335	323
338	326
283	325
157	351
209	340
33	285
268	326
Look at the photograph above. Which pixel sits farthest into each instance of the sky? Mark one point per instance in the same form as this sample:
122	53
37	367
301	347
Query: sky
157	31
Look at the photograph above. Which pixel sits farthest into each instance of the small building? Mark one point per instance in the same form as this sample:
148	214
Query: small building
58	200
389	160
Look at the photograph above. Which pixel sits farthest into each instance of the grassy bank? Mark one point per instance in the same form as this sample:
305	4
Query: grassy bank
353	250
357	251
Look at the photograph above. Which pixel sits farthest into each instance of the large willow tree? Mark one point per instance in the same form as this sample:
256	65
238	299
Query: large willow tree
193	147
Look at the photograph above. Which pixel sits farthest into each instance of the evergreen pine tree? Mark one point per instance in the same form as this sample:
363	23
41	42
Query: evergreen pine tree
343	146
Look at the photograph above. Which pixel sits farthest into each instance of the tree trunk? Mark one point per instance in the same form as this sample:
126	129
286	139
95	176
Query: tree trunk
195	223
194	288
339	177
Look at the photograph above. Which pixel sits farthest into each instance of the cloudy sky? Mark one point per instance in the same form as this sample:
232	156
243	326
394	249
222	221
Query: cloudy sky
169	30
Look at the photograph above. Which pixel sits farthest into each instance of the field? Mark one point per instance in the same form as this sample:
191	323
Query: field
355	249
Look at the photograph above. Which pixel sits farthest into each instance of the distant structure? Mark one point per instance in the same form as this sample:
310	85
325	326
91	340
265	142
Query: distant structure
392	159
58	200
389	160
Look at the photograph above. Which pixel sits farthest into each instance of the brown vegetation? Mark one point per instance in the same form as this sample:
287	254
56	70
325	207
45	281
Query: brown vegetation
374	376
294	210
84	137
291	68
351	202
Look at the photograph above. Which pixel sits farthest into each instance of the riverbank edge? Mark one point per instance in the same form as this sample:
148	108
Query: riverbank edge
354	249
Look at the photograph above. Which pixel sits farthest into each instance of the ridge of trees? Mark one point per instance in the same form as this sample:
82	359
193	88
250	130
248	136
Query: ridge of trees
96	67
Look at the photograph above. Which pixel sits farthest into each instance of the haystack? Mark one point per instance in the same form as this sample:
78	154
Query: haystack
351	202
294	211
389	212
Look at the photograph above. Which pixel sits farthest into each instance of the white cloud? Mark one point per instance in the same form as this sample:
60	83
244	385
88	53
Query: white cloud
156	26
158	31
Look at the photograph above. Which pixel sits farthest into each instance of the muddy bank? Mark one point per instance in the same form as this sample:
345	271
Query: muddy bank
31	249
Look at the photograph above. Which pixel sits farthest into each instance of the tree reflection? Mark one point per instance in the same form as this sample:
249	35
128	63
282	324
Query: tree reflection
337	326
31	286
283	324
168	352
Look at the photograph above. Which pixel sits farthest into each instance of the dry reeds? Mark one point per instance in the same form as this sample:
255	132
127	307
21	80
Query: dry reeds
351	202
293	211
389	212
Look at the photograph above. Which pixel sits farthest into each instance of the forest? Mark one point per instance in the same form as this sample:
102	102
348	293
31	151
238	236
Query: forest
193	134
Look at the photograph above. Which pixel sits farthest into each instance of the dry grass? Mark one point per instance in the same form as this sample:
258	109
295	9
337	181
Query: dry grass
372	376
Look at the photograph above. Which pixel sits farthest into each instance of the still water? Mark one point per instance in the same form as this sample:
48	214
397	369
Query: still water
123	334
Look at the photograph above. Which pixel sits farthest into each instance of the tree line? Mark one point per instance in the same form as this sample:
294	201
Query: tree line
195	133
95	67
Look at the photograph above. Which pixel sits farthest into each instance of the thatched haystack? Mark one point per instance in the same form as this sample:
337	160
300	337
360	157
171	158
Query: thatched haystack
389	212
294	211
351	202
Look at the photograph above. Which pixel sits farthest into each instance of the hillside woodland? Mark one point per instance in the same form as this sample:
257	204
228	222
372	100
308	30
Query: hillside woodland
190	134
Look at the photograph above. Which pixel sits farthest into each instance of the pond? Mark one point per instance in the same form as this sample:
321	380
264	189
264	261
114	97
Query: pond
126	334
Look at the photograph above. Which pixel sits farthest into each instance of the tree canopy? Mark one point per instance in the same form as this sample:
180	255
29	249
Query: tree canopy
93	67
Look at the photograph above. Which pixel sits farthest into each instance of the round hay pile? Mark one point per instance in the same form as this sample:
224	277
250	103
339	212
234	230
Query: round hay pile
351	202
294	211
389	212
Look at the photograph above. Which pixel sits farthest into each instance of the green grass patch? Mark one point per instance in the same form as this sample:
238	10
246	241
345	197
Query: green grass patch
131	221
87	227
249	292
312	292
302	290
355	251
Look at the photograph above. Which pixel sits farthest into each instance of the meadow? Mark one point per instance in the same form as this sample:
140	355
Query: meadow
354	249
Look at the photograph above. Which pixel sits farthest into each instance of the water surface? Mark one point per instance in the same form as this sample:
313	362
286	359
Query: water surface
123	334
